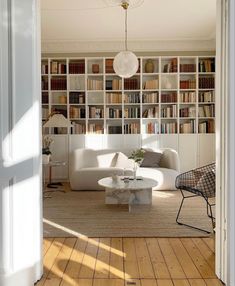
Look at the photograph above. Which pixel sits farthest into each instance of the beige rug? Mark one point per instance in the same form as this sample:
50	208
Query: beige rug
84	213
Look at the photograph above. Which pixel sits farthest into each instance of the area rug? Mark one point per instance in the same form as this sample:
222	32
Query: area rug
84	213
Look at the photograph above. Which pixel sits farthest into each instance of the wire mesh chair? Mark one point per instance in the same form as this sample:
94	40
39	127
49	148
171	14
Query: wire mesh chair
199	182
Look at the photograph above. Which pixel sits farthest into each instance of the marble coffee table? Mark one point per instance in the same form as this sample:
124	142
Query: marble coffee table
131	192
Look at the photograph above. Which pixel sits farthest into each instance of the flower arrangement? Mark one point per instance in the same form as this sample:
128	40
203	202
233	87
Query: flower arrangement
137	155
46	143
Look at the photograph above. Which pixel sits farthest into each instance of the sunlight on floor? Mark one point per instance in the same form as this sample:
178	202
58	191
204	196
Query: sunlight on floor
163	194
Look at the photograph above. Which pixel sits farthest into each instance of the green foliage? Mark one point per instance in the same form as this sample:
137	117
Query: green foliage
137	155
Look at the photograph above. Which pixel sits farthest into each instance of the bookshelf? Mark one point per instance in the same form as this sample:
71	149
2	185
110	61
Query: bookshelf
176	97
171	105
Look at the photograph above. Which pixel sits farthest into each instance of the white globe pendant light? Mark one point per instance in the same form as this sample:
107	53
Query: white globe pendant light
125	63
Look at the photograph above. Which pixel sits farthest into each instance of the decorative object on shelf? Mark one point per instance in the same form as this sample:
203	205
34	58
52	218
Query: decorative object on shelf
95	68
125	63
149	66
63	99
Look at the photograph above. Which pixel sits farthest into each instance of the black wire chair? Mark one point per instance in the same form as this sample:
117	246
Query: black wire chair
199	182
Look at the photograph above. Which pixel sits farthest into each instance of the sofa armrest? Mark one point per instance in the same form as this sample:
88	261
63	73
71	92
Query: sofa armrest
76	160
170	159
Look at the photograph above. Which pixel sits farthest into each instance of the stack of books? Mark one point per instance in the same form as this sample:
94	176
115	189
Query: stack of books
58	67
94	84
171	66
95	112
188	84
206	82
187	68
77	67
132	98
78	128
78	98
188	96
206	96
151	84
188	127
150	97
77	112
113	98
169	97
188	111
131	83
206	65
109	66
151	113
206	126
58	83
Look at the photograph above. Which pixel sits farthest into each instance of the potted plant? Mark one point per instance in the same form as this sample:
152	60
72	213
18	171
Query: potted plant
46	152
137	156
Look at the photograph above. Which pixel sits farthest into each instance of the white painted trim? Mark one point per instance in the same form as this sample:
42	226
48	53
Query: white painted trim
231	148
60	46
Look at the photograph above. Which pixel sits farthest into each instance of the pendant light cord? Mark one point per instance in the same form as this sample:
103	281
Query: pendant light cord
126	29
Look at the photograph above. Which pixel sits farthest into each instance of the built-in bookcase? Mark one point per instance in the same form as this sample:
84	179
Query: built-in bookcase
176	97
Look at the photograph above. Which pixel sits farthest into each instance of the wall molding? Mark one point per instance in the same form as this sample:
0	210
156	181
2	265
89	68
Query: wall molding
60	46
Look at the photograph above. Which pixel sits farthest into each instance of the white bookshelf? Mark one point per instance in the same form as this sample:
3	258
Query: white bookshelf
180	106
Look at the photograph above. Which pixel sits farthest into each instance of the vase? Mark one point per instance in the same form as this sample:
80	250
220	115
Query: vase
46	158
149	66
135	170
95	68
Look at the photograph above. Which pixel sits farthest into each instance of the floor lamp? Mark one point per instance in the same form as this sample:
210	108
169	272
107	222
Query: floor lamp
56	120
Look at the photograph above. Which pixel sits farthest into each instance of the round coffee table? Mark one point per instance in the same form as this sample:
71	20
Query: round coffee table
132	192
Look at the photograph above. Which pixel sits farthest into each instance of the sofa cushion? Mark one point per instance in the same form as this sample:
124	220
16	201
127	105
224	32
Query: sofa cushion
123	161
165	177
151	159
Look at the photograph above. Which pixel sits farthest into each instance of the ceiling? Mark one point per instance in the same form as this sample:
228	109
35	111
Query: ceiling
89	25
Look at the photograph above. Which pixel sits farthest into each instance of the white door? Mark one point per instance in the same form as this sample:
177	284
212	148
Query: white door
20	148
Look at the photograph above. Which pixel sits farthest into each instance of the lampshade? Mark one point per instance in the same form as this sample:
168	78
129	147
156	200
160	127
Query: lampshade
57	120
125	64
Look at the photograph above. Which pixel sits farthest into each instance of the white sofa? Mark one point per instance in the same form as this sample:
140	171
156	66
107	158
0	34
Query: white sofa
87	166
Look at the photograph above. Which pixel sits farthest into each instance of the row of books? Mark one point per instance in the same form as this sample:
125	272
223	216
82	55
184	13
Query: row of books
94	84
151	84
114	129
151	128
206	65
44	83
150	97
44	68
76	97
113	113
169	97
168	127
206	96
113	98
207	126
169	111
60	110
58	83
132	128
132	98
95	112
206	82
113	84
188	127
45	98
45	112
151	113
95	128
58	67
171	66
78	128
77	67
76	83
188	84
187	68
188	111
131	83
206	110
77	112
132	112
188	96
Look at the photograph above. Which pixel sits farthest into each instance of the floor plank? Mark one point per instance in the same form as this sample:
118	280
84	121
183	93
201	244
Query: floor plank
200	262
62	258
52	282
197	282
157	259
77	282
89	259
172	262
181	282
73	268
143	259
213	282
108	282
103	257
185	260
46	245
116	259
130	261
210	242
132	282
164	282
206	252
148	282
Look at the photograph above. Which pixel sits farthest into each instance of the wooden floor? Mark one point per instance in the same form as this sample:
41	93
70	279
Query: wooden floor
129	261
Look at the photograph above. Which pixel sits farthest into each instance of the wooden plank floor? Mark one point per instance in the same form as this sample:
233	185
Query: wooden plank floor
129	261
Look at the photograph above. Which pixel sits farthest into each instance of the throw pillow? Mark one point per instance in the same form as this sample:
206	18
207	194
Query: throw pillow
123	161
151	159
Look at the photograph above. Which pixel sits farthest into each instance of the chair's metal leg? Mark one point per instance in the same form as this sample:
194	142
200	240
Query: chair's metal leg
211	216
191	226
